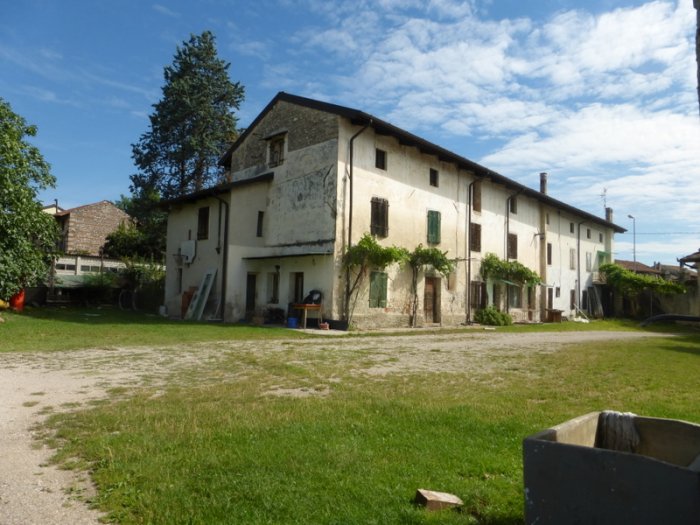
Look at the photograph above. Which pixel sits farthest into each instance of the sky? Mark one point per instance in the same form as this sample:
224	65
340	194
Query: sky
600	94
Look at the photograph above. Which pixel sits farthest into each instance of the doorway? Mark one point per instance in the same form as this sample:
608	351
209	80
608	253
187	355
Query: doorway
431	300
251	283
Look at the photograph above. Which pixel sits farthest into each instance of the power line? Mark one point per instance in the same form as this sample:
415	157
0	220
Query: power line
666	233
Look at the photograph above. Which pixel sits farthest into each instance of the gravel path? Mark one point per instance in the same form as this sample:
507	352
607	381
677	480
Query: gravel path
35	383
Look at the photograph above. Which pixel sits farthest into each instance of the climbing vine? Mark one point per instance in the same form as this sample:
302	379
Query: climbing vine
492	267
359	259
629	282
419	259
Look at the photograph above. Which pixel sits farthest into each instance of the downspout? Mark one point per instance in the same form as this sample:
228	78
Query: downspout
224	265
506	239
470	189
578	265
349	243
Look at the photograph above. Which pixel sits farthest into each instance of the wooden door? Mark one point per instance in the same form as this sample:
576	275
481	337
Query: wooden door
431	304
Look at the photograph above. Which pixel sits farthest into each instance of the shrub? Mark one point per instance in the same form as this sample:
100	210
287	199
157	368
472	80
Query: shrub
492	317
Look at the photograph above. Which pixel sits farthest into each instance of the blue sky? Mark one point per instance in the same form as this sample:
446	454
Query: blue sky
601	94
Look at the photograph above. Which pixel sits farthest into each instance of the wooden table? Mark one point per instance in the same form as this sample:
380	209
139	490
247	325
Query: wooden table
305	309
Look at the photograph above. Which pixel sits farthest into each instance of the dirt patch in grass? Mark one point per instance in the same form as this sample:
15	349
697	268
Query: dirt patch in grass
35	384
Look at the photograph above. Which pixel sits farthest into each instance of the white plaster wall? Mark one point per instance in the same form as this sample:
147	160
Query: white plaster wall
182	226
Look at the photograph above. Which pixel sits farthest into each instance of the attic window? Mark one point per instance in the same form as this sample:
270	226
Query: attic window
380	159
434	177
276	150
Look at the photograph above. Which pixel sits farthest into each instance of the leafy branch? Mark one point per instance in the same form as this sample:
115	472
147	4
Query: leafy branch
627	281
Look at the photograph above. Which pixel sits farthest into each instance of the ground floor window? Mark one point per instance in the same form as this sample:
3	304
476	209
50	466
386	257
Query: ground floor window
515	296
377	290
477	294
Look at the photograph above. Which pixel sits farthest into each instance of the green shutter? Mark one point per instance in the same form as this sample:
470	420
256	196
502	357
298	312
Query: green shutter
377	290
433	227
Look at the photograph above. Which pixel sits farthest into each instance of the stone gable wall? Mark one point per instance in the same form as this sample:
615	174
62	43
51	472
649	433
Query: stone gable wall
304	127
87	227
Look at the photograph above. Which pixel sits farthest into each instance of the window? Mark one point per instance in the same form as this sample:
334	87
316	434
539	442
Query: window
380	159
600	237
546	218
434	177
203	223
259	229
515	296
475	237
476	196
377	290
513	204
589	261
588	233
572	299
584	300
433	227
379	217
572	258
276	150
512	246
557	292
477	294
550	297
549	253
571	227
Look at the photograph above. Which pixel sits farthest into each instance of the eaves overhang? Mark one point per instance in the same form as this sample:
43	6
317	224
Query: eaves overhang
405	138
216	190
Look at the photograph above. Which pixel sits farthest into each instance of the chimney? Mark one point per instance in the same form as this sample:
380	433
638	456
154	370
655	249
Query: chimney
543	183
608	214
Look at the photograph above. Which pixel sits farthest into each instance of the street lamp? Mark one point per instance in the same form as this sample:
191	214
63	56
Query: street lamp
634	239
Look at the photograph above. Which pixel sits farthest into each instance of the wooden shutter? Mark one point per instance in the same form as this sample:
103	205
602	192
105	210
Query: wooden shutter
433	227
377	290
475	237
379	220
512	246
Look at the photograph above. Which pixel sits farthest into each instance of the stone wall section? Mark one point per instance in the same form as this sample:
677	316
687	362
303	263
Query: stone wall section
303	126
85	228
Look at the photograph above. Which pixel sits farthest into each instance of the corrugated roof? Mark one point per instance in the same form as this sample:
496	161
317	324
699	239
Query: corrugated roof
409	139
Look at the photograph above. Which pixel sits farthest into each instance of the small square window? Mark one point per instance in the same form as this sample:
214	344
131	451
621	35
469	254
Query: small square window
380	159
549	253
571	227
588	233
600	237
434	177
546	218
513	206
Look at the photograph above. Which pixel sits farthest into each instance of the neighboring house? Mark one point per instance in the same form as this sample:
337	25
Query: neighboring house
308	178
84	229
693	261
637	267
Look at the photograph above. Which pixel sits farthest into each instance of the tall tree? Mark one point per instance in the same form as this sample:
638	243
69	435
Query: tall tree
28	236
191	125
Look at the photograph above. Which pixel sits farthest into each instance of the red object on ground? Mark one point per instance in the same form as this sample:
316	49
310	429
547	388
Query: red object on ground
17	301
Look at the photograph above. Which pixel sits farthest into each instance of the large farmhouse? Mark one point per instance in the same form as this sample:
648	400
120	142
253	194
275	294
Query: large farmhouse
307	179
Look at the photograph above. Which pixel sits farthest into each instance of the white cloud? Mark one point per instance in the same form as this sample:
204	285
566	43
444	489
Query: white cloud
165	11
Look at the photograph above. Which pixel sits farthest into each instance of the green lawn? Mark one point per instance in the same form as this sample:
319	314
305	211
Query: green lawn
74	329
205	453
